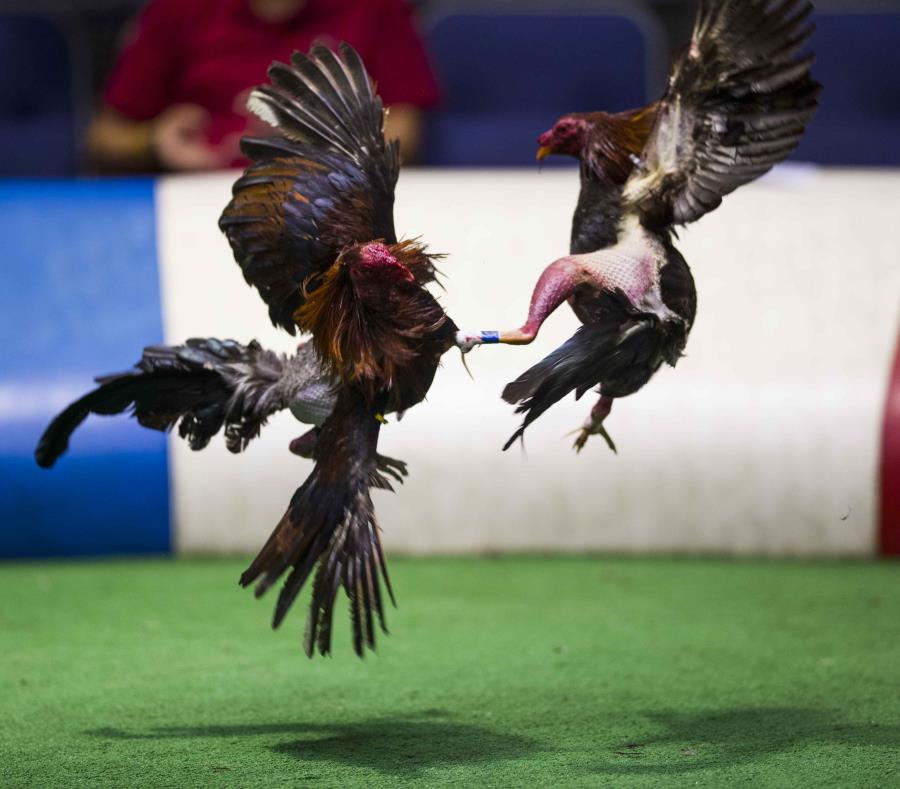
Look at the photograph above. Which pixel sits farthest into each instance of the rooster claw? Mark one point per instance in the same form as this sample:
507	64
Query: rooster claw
396	469
581	441
466	342
594	430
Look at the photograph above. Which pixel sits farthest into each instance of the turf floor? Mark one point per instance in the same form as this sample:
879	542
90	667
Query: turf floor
506	672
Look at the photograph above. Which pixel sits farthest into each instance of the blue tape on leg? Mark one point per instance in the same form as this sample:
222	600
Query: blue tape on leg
488	337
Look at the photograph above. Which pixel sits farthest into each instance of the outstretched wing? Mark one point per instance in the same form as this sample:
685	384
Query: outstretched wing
202	386
327	182
737	104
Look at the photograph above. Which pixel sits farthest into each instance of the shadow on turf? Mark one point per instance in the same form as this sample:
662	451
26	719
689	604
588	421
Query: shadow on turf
702	741
400	747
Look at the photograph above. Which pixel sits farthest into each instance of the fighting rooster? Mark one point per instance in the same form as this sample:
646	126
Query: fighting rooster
205	385
311	225
737	103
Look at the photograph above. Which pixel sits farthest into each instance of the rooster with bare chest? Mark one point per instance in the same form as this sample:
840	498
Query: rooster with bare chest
737	103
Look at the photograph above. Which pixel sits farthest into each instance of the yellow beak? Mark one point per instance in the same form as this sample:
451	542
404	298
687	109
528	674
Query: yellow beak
543	152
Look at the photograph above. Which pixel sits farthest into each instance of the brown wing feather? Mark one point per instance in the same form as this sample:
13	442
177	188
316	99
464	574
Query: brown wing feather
327	184
330	529
289	219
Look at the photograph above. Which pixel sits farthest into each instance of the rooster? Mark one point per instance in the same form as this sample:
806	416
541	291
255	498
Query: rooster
205	385
311	226
737	103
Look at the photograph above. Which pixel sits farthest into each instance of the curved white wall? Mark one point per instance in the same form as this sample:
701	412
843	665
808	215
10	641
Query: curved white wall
764	440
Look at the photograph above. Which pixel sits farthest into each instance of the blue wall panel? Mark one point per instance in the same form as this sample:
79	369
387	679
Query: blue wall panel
80	297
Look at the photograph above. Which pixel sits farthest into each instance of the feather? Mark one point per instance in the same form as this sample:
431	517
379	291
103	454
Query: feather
330	525
369	329
201	386
326	183
742	82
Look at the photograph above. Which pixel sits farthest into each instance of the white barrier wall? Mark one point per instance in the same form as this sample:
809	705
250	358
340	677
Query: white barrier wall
765	439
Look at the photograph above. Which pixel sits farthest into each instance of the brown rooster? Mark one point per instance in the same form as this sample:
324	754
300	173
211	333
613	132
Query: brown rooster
311	225
737	103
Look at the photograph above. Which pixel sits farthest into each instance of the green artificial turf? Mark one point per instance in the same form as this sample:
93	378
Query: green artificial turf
508	672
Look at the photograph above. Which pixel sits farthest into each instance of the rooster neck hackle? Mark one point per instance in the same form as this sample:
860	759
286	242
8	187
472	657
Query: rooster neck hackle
614	143
369	315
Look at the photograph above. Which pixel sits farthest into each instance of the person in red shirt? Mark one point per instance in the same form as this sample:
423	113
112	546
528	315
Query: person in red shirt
175	98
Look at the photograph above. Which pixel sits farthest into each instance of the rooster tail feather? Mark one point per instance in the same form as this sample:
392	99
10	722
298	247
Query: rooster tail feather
620	357
329	531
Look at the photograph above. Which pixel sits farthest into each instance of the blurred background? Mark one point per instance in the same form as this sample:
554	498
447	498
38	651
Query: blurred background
563	620
119	124
479	79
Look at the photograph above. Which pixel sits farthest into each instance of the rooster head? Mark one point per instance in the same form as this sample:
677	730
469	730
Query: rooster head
369	312
379	262
567	136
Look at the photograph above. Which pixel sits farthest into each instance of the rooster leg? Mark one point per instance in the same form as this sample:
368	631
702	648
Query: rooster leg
305	445
555	285
593	426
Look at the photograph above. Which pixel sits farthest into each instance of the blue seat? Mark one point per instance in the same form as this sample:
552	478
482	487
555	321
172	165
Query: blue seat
858	62
37	128
507	76
81	298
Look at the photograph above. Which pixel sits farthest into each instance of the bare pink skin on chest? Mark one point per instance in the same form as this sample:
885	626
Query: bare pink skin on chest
634	275
631	267
556	284
560	281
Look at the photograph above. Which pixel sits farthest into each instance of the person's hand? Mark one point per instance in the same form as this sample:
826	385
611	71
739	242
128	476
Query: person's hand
179	141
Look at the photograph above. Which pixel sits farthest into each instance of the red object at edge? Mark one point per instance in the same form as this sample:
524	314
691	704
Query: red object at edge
889	542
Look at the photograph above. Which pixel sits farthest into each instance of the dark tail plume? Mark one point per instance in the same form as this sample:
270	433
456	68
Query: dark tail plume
330	526
619	353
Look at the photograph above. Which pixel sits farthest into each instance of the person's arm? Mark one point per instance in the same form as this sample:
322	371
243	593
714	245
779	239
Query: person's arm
174	140
139	127
404	122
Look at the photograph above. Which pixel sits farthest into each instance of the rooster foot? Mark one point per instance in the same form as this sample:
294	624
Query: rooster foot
396	469
594	430
593	426
466	341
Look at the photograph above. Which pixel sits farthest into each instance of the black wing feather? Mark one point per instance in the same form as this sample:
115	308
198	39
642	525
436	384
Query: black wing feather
738	102
201	386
